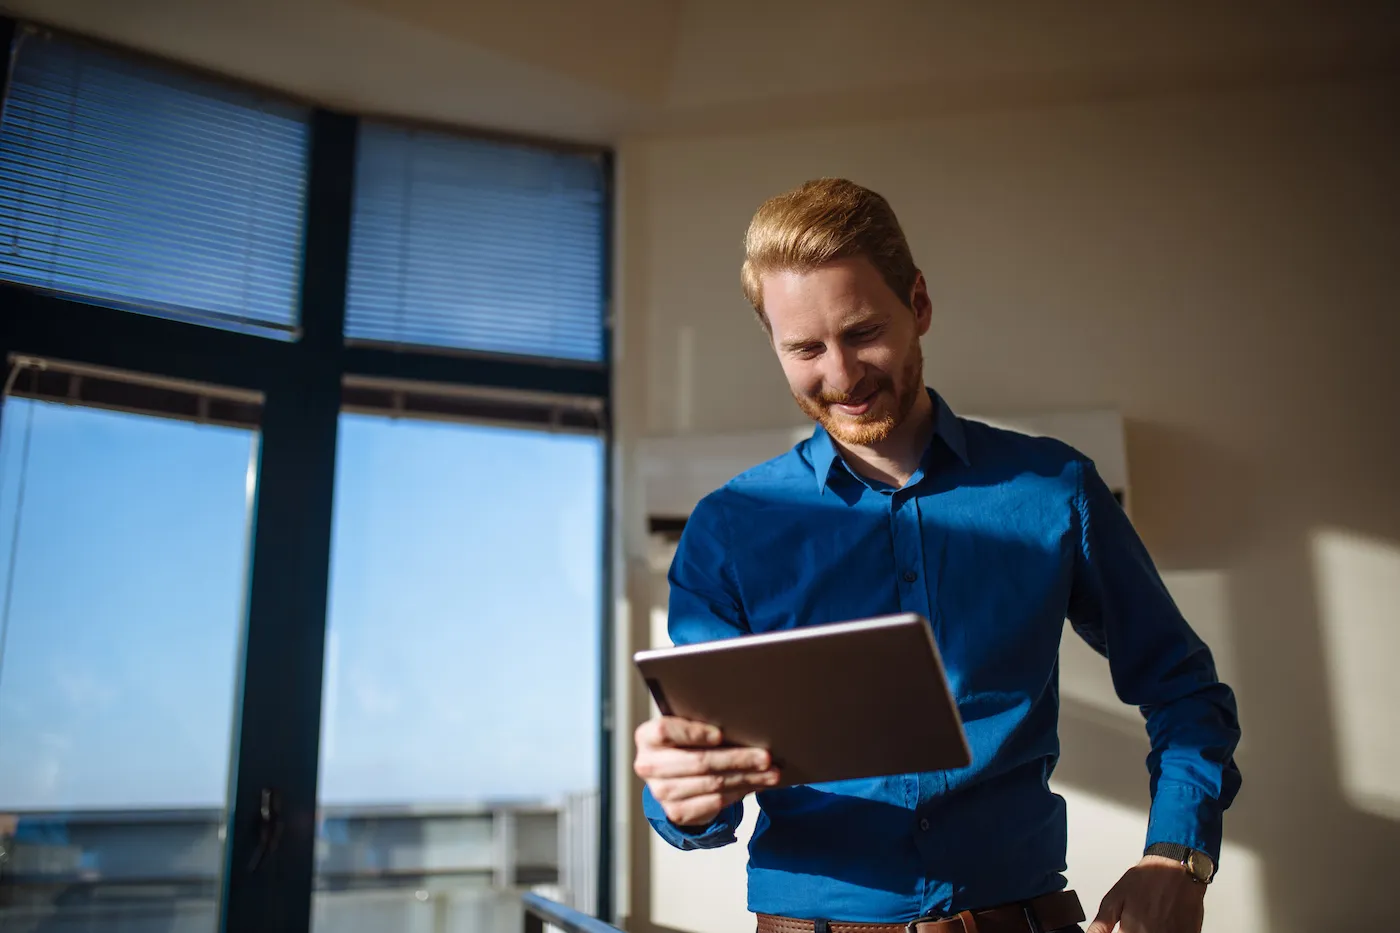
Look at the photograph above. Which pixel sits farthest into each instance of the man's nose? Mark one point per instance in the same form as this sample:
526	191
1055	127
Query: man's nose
843	370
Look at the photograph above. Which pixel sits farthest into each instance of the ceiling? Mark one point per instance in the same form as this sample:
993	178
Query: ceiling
599	70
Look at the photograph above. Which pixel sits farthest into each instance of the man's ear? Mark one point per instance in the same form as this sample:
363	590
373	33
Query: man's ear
921	304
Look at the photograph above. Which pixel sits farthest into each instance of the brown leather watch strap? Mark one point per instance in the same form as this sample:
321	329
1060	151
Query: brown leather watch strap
1052	912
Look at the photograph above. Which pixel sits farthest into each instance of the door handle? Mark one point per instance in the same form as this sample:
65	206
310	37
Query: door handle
269	821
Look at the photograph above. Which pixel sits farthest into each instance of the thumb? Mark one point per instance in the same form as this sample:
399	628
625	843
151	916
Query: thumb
1109	912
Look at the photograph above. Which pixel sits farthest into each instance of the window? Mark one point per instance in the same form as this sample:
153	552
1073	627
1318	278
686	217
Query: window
457	569
476	245
460	736
123	554
130	185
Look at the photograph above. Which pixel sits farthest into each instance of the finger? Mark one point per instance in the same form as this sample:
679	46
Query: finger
676	789
680	762
675	732
667	732
736	759
686	733
1109	912
698	811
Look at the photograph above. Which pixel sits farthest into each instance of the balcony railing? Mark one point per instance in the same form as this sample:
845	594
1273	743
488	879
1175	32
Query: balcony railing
379	869
541	911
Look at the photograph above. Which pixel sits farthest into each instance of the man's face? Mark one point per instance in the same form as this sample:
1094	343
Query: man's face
848	346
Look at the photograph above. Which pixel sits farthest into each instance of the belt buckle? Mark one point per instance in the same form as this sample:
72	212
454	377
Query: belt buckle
1032	921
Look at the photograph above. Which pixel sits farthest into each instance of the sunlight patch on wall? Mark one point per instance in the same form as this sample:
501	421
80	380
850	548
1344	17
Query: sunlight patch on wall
704	891
1358	588
660	636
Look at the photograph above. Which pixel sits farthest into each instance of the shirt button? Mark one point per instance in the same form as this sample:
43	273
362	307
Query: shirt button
923	824
910	576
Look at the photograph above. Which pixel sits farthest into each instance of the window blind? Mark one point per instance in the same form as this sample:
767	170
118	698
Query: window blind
476	245
136	186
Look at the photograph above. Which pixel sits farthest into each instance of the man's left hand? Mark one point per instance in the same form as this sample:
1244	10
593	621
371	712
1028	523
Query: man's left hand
1157	895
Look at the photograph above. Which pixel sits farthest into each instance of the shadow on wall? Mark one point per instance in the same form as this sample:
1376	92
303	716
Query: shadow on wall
1306	635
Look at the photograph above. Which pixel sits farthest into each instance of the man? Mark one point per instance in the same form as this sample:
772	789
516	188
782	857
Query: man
896	505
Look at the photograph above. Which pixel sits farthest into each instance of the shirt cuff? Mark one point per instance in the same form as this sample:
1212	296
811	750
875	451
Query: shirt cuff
719	831
1186	816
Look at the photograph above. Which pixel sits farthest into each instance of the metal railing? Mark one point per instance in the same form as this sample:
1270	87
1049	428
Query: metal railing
540	911
438	869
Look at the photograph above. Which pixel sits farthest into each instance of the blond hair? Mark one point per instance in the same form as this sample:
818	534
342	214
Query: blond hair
819	222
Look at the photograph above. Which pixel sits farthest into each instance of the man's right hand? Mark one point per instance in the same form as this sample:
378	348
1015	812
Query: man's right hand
691	776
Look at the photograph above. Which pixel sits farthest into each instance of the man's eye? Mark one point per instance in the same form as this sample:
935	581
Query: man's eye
865	333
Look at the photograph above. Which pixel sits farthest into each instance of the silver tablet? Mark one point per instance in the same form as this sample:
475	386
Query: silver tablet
831	702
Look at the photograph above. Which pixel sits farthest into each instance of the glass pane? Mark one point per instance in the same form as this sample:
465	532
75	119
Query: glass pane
459	733
123	547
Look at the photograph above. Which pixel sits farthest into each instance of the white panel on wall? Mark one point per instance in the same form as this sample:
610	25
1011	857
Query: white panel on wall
1098	434
679	470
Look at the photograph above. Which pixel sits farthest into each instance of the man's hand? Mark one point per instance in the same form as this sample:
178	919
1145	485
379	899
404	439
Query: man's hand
1156	896
690	776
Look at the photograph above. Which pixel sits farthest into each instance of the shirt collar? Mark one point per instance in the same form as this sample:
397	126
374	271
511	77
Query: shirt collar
946	426
949	427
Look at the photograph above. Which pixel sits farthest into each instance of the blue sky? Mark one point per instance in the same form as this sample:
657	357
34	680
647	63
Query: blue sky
464	595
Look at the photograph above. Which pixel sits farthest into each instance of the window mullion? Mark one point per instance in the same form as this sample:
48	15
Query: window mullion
278	729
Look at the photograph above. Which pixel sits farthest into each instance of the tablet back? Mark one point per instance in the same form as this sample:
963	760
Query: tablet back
831	702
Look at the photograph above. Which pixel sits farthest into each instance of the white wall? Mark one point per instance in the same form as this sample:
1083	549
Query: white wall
1220	269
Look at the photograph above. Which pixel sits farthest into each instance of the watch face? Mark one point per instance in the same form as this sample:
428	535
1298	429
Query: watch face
1200	865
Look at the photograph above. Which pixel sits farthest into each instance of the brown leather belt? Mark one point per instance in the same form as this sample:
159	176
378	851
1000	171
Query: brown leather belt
1050	912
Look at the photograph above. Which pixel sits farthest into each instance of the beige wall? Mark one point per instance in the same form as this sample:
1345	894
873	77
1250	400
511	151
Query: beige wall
1222	269
1217	267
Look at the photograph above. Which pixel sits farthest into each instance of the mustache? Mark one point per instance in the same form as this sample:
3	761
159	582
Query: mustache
859	393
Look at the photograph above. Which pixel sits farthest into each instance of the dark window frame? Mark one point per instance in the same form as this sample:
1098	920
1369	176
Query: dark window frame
304	384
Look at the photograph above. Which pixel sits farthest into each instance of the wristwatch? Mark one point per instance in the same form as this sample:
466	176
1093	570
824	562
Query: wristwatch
1193	860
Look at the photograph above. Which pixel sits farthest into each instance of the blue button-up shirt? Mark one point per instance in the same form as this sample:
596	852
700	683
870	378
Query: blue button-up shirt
997	539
